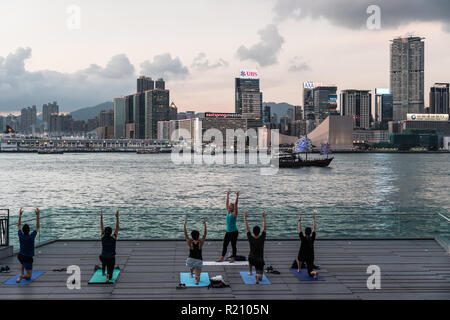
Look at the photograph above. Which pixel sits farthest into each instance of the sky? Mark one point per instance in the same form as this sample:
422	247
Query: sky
81	53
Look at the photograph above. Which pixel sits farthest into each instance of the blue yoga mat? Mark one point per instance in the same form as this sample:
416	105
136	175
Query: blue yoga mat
304	276
98	278
190	282
34	276
250	279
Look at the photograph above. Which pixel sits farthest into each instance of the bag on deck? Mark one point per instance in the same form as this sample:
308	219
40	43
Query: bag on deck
217	282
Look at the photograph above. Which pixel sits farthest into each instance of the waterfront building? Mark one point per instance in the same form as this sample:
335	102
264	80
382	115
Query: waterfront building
163	130
92	124
47	110
181	115
156	109
298	114
130	130
28	120
173	111
248	97
129	109
60	124
308	99
407	76
2	124
357	104
439	98
106	118
119	118
139	115
266	114
325	101
383	111
335	130
145	83
285	125
370	136
105	132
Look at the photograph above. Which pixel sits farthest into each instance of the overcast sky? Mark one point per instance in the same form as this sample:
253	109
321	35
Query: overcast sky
199	46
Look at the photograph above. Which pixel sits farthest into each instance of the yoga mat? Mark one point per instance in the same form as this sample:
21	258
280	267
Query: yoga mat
250	279
34	276
225	263
304	276
190	282
98	278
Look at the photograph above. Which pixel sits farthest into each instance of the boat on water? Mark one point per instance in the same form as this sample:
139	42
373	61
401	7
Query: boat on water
50	151
293	158
148	151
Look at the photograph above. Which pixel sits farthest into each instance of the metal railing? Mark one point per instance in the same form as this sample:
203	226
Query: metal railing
160	223
4	227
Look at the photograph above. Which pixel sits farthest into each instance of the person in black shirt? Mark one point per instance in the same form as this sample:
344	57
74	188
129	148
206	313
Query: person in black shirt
256	256
26	241
306	252
195	259
108	255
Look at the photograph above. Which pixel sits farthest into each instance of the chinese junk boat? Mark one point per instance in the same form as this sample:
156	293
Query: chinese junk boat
292	159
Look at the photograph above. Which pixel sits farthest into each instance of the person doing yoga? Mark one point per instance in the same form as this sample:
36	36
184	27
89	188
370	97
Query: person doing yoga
306	252
26	242
108	255
256	256
195	259
232	231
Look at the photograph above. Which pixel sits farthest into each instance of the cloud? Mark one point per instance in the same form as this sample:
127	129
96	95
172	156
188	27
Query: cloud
297	66
20	88
165	67
266	50
200	62
352	13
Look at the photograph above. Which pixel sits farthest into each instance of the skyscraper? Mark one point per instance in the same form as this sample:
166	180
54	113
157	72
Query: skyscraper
156	109
407	76
357	103
28	120
106	118
248	97
325	101
47	110
145	83
439	100
139	115
160	84
266	114
383	111
308	99
119	118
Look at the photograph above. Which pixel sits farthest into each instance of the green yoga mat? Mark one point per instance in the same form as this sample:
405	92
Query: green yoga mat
98	278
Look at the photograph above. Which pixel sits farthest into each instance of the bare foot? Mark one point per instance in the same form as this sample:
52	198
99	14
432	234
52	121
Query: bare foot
257	280
220	259
19	278
298	270
232	260
107	278
190	275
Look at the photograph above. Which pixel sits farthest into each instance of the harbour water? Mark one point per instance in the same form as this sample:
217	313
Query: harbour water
155	195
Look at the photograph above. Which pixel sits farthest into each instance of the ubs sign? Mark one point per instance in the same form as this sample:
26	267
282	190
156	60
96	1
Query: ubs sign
249	74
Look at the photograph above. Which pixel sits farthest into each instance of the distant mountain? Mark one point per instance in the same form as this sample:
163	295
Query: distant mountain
91	112
280	109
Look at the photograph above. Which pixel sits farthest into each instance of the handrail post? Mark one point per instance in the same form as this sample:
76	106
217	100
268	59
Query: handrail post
4	228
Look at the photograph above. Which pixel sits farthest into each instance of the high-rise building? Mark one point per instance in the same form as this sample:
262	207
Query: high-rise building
383	111
145	83
407	76
325	101
139	115
308	99
28	120
160	84
298	114
2	124
173	111
129	109
156	109
47	110
12	121
439	100
119	118
60	124
248	97
357	103
266	114
106	118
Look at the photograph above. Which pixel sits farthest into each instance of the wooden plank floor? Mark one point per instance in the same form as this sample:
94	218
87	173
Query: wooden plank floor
410	269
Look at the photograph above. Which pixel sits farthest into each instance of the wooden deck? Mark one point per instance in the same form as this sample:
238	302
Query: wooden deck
410	269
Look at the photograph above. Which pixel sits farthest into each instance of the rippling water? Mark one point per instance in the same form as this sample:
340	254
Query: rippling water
362	184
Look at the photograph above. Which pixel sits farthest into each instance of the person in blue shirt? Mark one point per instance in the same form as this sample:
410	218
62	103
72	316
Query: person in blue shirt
108	255
232	231
26	241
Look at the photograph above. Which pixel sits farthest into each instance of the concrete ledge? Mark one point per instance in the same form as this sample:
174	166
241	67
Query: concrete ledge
443	243
6	251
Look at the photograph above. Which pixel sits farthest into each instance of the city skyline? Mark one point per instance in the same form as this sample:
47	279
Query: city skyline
76	71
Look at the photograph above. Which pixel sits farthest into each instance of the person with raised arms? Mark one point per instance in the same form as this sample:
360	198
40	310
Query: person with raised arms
26	242
256	255
195	259
306	252
232	231
108	255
